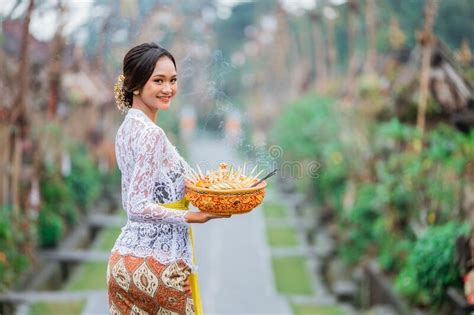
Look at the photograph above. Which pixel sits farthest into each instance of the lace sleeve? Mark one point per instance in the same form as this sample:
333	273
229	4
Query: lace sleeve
140	205
186	166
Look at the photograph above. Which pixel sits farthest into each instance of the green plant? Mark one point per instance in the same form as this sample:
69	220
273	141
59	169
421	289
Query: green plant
392	136
331	183
393	248
311	121
427	187
372	227
357	224
398	191
310	130
84	179
57	196
12	260
50	227
409	191
430	267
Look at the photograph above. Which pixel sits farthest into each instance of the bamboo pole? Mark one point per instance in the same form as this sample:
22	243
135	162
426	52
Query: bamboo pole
19	115
464	53
320	49
332	51
396	36
426	39
4	163
16	171
352	35
279	60
19	112
371	23
55	65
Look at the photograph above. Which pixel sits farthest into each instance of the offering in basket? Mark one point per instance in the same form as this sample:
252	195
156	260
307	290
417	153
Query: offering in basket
225	190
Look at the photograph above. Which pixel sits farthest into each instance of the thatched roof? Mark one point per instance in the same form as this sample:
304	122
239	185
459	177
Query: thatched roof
448	86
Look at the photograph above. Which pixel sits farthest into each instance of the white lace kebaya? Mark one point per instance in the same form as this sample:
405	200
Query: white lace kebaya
152	173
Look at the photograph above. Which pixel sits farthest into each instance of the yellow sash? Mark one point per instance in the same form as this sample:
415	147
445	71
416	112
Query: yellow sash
183	204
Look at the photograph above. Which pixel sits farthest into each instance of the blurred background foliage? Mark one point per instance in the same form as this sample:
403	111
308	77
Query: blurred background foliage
332	82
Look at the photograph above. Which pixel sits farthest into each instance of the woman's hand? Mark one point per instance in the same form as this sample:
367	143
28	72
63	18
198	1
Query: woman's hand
203	217
187	287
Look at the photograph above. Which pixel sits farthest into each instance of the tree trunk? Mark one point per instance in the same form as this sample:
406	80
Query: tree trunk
352	34
16	170
19	112
371	22
5	163
332	51
101	45
55	66
320	49
426	40
279	62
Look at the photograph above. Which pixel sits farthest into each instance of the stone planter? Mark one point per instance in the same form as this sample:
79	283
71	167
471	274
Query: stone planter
377	289
458	302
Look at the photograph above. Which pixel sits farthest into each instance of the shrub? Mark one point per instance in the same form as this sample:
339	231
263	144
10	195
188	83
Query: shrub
358	224
304	126
84	179
309	130
57	196
12	261
50	227
430	267
408	193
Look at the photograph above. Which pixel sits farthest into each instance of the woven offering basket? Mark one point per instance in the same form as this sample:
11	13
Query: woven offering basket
225	201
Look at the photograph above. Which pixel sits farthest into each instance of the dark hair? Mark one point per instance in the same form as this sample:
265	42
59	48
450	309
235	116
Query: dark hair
138	65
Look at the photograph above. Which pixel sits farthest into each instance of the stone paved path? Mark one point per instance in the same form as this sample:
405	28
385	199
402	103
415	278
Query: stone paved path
233	257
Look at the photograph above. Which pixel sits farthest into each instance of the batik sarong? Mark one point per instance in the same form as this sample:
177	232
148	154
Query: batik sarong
145	286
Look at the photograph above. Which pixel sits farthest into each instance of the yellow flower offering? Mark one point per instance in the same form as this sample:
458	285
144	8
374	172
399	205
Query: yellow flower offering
225	190
223	178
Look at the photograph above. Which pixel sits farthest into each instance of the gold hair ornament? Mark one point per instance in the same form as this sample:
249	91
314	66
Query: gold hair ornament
119	94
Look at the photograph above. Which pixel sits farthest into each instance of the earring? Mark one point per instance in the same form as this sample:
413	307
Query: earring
136	92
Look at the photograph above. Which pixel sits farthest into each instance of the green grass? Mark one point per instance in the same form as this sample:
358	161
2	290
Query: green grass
107	239
307	309
281	236
90	276
69	308
291	275
274	211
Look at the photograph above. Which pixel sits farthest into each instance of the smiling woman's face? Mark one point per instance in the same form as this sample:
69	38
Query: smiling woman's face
161	87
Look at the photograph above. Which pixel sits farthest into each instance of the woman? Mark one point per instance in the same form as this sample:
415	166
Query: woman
150	270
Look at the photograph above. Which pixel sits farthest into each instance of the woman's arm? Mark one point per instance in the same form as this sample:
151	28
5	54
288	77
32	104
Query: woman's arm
203	217
140	205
